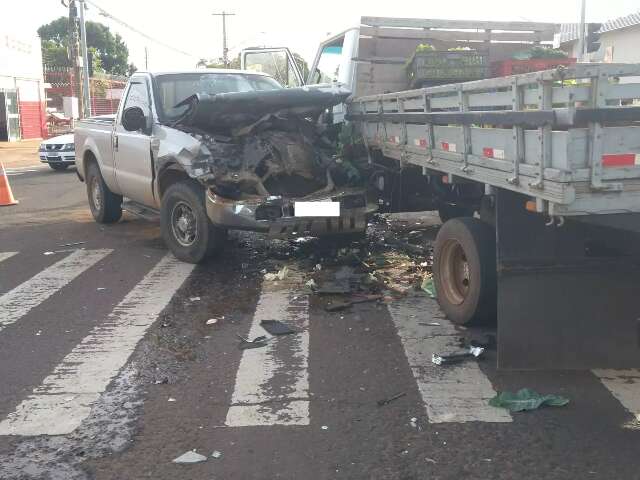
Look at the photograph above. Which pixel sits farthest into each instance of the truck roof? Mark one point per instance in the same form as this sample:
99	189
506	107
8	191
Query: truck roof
205	70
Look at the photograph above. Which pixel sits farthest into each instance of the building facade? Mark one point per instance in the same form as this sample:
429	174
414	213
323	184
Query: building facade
22	98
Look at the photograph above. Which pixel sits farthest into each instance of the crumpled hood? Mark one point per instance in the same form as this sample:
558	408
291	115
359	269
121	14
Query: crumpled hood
241	108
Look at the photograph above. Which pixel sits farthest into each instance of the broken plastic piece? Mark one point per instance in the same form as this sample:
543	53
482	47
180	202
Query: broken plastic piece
526	399
275	327
281	275
338	306
311	284
190	457
257	342
216	454
387	401
473	352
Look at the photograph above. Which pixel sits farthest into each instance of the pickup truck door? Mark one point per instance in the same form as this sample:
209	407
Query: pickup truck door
334	62
132	150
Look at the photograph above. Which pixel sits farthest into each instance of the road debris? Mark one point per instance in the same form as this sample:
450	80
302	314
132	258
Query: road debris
280	275
473	352
171	399
71	244
429	324
428	286
258	342
190	457
212	321
275	327
194	299
311	284
216	454
338	306
526	399
48	253
387	401
324	427
430	460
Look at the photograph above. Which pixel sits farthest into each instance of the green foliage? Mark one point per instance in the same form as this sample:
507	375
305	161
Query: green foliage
109	50
540	53
425	47
234	63
348	144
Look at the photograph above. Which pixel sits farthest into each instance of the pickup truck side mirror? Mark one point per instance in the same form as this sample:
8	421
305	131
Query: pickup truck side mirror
133	119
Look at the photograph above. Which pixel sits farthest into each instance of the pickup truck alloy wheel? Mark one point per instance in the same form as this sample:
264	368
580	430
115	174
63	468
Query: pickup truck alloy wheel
185	227
96	194
465	271
184	224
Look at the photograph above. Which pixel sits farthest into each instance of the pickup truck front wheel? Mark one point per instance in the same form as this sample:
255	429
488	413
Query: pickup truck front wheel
106	206
465	271
185	227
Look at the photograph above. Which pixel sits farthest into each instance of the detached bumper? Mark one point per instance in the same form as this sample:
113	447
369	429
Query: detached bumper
276	216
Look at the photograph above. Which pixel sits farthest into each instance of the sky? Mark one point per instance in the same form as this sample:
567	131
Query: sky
188	26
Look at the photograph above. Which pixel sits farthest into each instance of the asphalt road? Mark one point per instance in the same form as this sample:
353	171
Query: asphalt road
108	369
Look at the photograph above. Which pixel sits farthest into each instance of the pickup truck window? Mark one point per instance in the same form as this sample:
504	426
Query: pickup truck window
174	88
138	96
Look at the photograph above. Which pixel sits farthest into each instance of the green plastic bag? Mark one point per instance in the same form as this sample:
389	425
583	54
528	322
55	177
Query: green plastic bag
526	399
428	286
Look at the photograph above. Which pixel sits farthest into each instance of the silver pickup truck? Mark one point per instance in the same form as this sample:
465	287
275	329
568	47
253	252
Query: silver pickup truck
213	150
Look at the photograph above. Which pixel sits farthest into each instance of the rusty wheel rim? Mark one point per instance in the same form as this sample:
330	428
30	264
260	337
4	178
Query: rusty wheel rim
455	272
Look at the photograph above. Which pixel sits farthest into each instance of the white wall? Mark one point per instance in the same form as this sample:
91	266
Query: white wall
626	47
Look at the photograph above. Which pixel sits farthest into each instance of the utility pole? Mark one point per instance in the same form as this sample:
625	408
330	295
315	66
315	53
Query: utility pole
146	59
225	50
86	101
74	49
582	43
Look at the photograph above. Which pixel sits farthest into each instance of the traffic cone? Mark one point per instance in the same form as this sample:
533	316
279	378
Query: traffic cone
6	196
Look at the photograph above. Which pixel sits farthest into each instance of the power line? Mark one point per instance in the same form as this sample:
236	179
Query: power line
104	13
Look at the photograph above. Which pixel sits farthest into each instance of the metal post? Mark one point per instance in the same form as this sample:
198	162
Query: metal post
85	62
582	38
146	59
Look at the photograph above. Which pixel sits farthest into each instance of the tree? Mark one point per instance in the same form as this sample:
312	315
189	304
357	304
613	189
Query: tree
218	63
110	53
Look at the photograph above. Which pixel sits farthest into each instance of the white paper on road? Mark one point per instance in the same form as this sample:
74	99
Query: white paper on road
18	302
65	397
272	382
453	393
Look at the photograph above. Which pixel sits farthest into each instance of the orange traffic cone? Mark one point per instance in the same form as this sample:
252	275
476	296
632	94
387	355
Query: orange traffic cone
6	196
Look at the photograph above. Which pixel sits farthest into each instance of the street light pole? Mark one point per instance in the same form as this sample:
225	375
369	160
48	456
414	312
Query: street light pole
225	50
86	102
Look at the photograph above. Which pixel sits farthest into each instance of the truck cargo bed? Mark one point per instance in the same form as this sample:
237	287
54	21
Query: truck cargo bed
569	138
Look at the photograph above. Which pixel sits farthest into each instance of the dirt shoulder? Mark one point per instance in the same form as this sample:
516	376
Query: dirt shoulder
20	154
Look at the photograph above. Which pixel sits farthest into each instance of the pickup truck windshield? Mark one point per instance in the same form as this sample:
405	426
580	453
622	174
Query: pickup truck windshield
174	88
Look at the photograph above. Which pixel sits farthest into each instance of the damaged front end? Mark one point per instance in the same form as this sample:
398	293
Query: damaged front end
258	153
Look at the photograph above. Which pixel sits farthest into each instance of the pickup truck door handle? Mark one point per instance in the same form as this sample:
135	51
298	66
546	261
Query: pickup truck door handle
115	143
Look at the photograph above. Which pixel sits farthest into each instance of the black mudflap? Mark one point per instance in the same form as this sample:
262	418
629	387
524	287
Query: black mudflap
569	296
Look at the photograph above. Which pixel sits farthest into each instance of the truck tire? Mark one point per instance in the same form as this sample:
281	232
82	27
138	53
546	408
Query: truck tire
448	211
184	224
465	271
106	206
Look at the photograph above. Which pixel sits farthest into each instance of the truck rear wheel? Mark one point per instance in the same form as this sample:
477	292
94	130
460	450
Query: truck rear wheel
185	227
465	271
106	206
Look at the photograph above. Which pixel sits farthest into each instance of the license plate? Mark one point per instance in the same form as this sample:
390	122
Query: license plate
53	157
317	209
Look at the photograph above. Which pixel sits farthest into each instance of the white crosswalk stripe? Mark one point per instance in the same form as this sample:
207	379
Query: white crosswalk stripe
65	397
6	255
272	383
456	393
19	301
625	386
